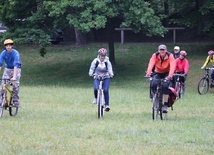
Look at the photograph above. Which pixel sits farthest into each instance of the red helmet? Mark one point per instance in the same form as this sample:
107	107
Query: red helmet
211	52
183	53
102	51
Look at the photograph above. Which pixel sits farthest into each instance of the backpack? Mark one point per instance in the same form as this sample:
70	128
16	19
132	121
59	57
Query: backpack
172	97
97	63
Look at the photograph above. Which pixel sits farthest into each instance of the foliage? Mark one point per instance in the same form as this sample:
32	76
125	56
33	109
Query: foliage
192	14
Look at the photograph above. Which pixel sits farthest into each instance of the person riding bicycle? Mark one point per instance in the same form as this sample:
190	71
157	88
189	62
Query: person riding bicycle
182	67
176	52
164	64
210	58
101	66
12	68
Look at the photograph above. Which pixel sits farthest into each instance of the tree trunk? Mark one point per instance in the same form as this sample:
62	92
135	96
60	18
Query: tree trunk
199	4
80	37
110	32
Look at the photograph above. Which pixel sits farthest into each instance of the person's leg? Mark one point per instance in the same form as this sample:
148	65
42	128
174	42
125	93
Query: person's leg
212	75
96	87
106	84
165	95
154	83
16	86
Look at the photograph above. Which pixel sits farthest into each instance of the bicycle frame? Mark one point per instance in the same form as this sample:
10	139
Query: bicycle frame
179	85
157	101
7	100
100	98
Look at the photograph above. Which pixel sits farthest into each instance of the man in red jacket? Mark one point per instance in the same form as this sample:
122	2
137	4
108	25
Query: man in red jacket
164	64
182	66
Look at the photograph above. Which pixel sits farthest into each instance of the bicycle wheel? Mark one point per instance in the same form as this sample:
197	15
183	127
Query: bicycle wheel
12	109
2	104
177	87
155	107
182	90
162	115
203	86
100	104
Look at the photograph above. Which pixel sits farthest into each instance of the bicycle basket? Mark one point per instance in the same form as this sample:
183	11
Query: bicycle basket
172	96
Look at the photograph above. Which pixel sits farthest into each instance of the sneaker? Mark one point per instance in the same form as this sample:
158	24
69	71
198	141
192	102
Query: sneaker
211	85
94	101
164	109
107	108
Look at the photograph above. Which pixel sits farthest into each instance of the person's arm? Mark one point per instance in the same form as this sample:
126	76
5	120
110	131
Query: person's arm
14	74
151	65
110	70
92	67
172	66
186	67
206	62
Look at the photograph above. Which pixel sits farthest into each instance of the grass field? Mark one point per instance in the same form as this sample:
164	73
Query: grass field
57	115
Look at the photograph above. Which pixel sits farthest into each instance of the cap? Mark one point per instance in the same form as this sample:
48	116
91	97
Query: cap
176	48
162	47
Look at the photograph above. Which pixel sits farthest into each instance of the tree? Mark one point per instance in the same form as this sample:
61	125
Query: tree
193	14
86	15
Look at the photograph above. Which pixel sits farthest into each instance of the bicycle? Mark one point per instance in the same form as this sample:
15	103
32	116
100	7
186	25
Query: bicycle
179	85
203	84
7	100
157	103
100	97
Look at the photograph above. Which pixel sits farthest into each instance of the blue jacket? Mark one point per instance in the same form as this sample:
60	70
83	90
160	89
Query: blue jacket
11	59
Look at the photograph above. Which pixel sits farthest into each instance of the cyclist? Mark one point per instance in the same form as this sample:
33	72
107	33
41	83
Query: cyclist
12	68
176	52
164	64
101	66
210	58
182	66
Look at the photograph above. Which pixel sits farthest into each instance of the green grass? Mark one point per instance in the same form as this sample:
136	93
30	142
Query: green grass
57	115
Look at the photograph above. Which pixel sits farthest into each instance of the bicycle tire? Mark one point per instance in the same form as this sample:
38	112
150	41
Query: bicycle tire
2	105
13	110
177	87
100	104
182	90
155	108
203	86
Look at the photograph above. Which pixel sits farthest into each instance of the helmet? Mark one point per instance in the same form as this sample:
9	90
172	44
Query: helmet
8	41
211	52
102	51
177	48
183	53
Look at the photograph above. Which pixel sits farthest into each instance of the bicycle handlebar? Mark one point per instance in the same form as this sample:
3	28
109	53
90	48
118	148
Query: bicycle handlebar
181	75
208	68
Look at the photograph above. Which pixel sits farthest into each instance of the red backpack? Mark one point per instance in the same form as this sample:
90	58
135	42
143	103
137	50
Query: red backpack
172	96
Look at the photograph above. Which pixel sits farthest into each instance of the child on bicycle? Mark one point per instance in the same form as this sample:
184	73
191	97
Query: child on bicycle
101	66
164	64
182	67
210	58
12	68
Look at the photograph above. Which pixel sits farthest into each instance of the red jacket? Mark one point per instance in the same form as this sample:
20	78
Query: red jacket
162	66
182	65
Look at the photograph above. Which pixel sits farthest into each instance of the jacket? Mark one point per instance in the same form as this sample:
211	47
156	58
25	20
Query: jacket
182	65
208	60
167	65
